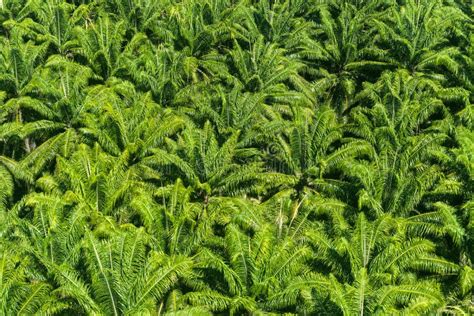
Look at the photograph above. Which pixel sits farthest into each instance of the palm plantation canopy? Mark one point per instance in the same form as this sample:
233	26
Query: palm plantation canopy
199	157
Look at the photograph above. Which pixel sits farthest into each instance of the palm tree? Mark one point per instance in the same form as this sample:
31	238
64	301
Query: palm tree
369	265
49	122
21	291
264	67
136	279
421	37
251	263
80	270
100	45
305	154
395	126
207	164
18	62
55	23
187	51
338	53
131	123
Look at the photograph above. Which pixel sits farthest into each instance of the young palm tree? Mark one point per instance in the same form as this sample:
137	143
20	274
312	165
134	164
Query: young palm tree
56	21
422	37
395	126
370	265
18	62
306	152
207	164
338	54
100	45
49	122
22	291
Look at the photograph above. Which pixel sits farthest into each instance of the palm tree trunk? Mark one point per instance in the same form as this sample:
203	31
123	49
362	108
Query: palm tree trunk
27	143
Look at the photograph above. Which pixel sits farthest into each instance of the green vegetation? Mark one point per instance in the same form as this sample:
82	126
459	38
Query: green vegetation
236	157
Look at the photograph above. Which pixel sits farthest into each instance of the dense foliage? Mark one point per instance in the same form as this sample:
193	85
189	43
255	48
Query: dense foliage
201	157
